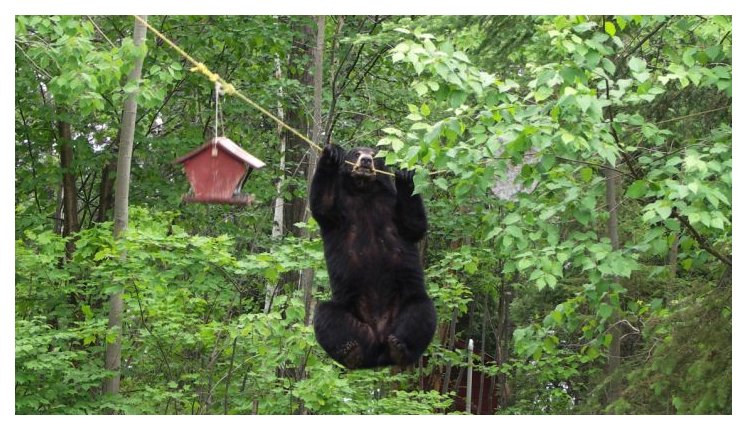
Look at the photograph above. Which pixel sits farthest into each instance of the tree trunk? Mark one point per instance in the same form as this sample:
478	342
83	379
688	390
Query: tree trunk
69	188
306	280
277	219
502	344
482	351
113	356
613	362
297	150
452	339
307	275
106	190
59	218
674	251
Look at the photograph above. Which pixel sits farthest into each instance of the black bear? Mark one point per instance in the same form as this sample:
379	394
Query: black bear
379	314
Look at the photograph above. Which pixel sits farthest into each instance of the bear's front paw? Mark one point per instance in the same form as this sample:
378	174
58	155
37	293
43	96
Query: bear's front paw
332	155
403	180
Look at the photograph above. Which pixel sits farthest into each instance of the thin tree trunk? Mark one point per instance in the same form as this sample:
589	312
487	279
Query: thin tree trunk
277	219
307	276
300	206
113	357
32	157
297	150
452	339
673	253
106	190
59	214
613	362
70	190
502	343
56	134
482	351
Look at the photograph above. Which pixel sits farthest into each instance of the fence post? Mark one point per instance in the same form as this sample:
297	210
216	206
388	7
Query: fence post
470	348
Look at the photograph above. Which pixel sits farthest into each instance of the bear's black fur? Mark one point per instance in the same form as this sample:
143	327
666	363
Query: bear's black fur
380	314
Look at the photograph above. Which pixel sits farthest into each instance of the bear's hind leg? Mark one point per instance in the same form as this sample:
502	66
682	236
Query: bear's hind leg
344	337
412	331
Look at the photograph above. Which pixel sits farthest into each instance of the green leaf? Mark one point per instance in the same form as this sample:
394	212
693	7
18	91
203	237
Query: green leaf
641	77
584	102
637	65
551	280
392	130
420	88
397	144
470	268
609	28
461	56
663	208
557	316
716	221
637	189
592	352
687	263
494	232
87	312
511	218
441	183
524	264
605	310
621	22
586	174
608	66
677	402
542	93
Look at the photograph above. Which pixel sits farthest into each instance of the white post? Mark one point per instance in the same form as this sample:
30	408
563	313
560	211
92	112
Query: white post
470	348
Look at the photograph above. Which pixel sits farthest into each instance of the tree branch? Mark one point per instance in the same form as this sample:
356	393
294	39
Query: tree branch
611	119
600	166
701	240
645	38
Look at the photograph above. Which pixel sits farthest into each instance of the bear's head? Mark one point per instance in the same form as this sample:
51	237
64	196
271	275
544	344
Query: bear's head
362	167
364	164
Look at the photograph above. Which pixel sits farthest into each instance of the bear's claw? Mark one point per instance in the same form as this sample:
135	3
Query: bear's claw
397	350
351	354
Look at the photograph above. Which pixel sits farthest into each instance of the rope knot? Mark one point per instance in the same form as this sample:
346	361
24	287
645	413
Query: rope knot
229	89
199	67
202	68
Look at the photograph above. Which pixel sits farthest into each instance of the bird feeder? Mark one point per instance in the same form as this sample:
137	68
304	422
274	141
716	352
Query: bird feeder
216	172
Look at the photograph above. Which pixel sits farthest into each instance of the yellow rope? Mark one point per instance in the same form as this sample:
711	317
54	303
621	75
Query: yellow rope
231	90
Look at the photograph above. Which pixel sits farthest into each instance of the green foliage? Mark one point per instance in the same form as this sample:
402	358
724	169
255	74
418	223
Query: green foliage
54	372
685	370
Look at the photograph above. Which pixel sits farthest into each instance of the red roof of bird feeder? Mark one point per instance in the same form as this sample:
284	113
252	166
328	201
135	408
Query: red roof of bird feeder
217	170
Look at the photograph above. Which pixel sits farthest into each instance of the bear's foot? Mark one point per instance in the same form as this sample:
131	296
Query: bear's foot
397	350
351	355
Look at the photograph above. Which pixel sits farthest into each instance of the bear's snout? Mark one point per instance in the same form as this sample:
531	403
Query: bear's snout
365	160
